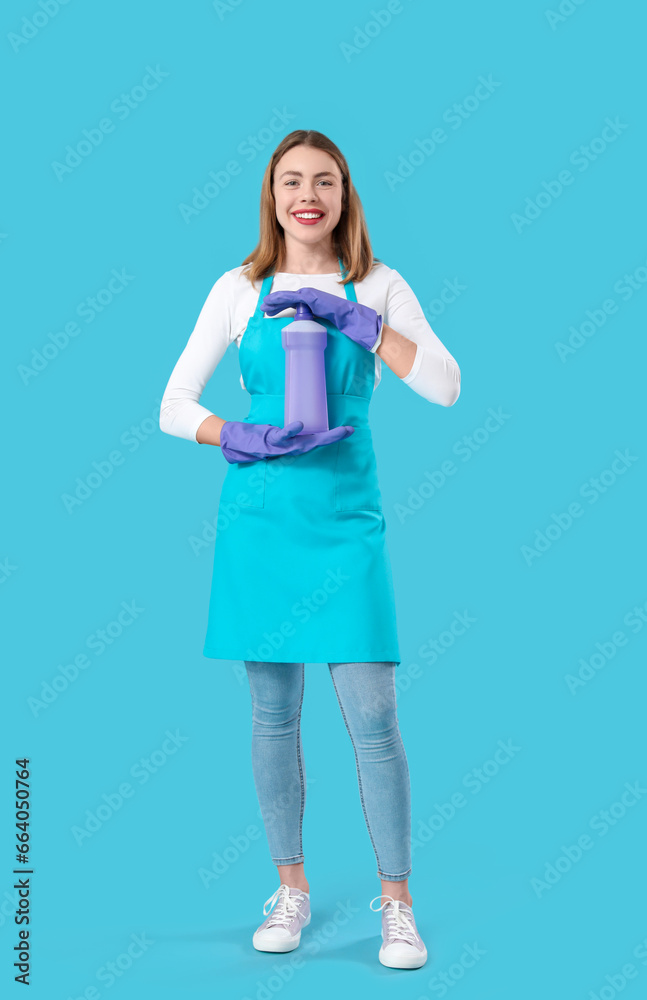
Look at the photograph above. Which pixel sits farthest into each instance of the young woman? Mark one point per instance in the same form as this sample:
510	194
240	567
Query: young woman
301	567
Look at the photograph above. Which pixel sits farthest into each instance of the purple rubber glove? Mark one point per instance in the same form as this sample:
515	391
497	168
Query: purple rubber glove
360	323
243	442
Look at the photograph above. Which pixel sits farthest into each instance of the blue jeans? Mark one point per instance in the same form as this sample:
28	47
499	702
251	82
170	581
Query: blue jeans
367	698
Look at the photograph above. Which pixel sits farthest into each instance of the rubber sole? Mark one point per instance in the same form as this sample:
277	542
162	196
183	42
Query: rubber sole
281	946
413	962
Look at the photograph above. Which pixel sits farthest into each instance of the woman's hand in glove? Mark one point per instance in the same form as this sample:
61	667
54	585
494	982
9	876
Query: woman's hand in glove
360	323
246	442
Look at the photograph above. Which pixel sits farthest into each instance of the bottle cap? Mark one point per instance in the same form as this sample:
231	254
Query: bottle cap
303	311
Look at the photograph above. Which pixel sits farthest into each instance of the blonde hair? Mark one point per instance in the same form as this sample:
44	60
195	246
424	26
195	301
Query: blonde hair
350	237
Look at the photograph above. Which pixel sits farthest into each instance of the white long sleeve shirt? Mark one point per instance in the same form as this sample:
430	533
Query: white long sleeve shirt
230	304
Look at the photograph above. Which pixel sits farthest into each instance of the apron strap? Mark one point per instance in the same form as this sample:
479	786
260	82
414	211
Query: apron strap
349	288
265	290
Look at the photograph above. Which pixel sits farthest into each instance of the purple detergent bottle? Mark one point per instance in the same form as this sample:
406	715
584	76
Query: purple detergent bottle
304	341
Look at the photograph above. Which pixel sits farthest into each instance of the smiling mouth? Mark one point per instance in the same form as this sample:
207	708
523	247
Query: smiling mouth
306	218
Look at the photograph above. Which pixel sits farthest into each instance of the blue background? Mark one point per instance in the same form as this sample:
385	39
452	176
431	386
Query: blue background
375	91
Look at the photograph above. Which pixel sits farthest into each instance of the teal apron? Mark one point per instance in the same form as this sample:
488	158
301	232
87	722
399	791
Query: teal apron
301	566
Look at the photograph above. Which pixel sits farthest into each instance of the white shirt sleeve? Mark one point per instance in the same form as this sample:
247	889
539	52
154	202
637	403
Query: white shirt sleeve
181	412
435	375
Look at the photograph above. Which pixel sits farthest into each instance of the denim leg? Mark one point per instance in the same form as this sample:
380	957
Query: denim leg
277	759
367	698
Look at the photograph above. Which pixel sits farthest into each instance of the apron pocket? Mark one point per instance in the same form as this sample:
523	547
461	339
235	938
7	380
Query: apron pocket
356	482
244	484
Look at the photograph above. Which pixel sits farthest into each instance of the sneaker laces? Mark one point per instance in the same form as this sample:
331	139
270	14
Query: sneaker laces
286	908
399	923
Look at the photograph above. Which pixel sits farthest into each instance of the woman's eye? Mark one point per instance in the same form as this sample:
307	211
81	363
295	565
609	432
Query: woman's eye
294	182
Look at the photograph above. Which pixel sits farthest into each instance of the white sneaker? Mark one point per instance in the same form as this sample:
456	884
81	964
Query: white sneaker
402	946
282	929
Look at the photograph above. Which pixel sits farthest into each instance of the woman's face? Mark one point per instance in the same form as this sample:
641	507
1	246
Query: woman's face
307	180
